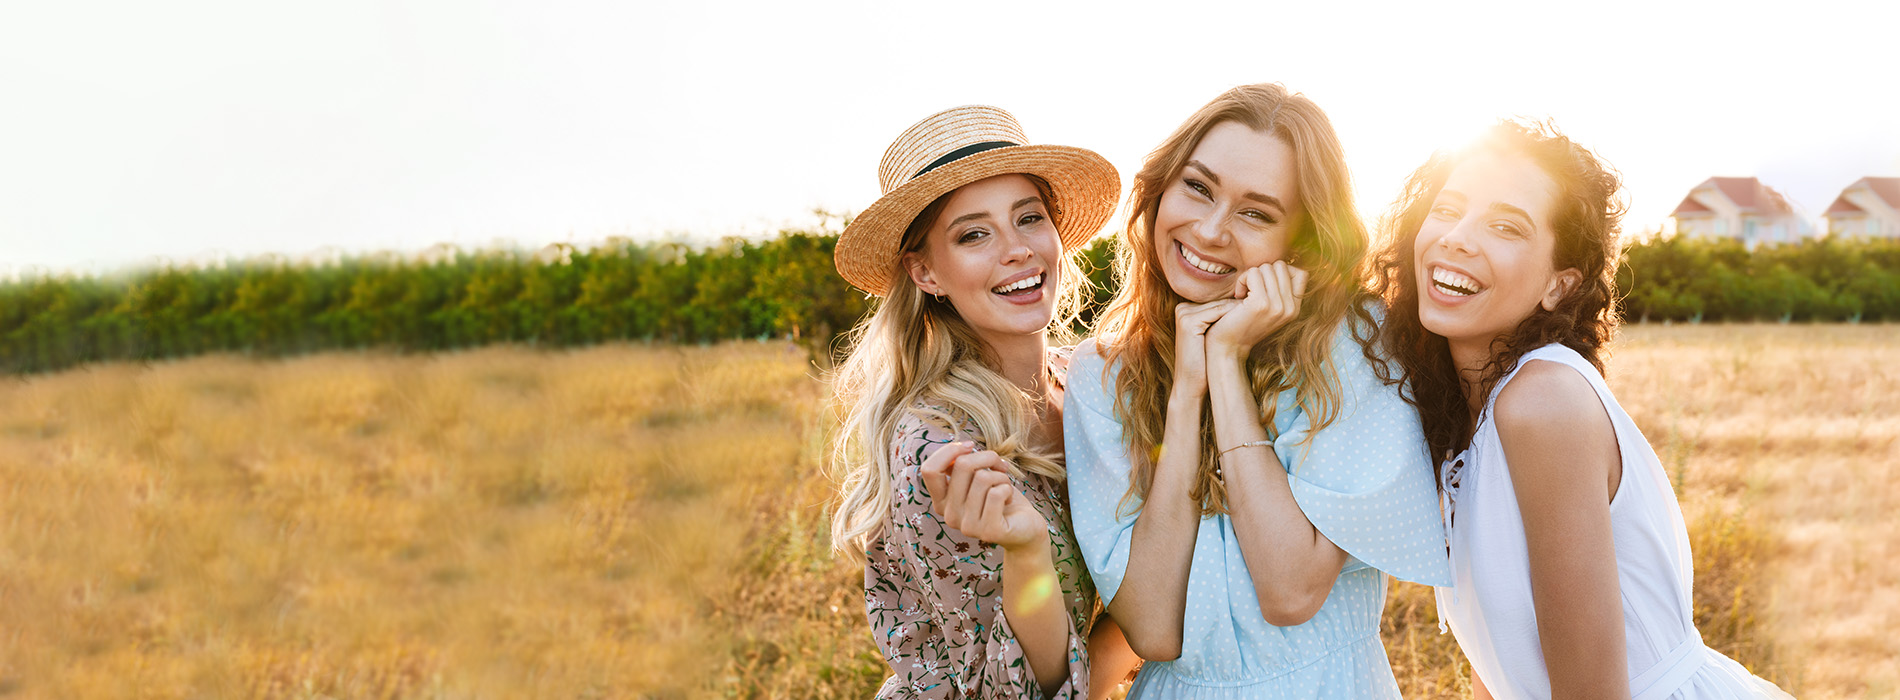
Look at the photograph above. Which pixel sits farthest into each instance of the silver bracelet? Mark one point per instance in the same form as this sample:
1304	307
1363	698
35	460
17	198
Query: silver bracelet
1256	443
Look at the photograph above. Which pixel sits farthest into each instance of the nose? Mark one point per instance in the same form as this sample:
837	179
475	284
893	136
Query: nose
1458	237
1018	249
1210	230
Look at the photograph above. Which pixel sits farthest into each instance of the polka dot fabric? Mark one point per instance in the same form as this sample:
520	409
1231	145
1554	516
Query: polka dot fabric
1364	481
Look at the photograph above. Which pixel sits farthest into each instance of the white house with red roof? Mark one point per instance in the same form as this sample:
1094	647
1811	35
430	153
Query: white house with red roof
1740	208
1870	207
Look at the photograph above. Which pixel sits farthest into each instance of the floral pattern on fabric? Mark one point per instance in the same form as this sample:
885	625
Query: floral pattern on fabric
935	596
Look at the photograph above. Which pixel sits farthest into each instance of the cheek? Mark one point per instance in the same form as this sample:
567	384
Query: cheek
1170	211
1264	248
1427	235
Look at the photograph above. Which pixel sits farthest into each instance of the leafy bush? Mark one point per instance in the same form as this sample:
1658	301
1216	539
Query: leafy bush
1828	279
672	292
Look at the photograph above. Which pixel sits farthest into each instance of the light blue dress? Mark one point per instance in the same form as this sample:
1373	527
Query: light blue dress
1364	481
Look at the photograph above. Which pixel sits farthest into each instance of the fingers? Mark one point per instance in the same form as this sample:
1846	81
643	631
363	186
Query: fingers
960	489
983	510
1282	284
1283	273
995	526
1299	282
935	471
1193	319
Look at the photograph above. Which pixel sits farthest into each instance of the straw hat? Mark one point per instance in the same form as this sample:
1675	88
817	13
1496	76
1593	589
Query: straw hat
956	147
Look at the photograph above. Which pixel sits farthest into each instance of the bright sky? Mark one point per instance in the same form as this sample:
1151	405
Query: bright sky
135	132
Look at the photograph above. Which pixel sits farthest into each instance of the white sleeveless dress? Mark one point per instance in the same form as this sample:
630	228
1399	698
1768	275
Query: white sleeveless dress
1489	606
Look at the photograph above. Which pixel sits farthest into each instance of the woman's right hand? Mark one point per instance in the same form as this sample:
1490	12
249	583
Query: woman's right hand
971	492
1191	323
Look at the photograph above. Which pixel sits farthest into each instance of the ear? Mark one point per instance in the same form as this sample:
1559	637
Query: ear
1560	286
920	273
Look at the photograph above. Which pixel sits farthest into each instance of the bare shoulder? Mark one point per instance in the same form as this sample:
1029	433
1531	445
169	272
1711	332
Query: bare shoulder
1548	396
1551	421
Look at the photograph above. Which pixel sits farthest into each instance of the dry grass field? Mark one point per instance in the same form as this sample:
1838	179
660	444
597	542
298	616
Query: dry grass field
646	522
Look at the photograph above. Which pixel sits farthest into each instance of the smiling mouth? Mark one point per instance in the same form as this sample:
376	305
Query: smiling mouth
1202	264
1019	287
1455	284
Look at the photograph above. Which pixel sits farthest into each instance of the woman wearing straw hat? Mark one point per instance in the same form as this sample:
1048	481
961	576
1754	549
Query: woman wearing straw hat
1248	556
952	444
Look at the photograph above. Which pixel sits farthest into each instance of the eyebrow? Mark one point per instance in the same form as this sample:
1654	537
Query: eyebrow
1255	196
1509	209
983	214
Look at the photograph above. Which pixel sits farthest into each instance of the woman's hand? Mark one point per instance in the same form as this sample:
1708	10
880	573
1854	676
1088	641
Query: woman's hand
1191	324
970	490
1267	297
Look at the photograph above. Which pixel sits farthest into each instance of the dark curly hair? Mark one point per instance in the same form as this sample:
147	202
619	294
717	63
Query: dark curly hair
1585	218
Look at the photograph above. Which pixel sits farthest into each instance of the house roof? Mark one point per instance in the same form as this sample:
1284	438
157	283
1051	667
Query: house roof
1842	206
1886	188
1752	196
1690	206
1747	193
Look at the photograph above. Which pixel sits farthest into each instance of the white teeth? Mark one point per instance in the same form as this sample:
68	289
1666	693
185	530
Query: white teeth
1455	284
1203	265
1023	283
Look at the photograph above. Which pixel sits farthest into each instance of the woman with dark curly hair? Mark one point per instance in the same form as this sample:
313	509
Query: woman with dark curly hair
1570	561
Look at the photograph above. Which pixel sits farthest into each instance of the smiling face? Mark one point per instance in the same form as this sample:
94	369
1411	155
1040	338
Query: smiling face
1233	207
993	253
1484	254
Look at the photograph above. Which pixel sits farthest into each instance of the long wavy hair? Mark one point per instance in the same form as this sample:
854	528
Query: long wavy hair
1328	241
1585	218
913	348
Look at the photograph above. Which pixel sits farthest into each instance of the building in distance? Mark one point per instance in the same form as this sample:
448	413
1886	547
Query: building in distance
1868	208
1741	208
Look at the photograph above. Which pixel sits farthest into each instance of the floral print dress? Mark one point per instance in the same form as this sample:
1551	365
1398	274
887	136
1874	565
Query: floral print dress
935	596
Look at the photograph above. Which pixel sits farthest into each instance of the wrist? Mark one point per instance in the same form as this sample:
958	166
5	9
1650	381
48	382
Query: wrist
1223	359
1188	395
1032	550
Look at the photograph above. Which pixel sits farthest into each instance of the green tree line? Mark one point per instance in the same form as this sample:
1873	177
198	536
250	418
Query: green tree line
1827	279
674	292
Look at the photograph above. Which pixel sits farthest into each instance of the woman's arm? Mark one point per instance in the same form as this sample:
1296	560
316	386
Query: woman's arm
1292	564
1565	465
1151	608
1110	659
972	492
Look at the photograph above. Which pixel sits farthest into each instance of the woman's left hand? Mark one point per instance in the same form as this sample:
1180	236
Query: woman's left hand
1269	297
971	492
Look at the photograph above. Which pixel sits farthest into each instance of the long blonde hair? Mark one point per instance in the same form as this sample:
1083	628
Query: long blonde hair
1328	240
911	348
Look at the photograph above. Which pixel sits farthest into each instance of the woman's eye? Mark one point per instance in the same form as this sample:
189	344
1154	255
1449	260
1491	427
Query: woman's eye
1029	220
972	235
1509	230
1444	212
1197	187
1260	216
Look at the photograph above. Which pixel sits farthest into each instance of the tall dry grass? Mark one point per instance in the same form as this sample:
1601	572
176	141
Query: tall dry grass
493	524
635	521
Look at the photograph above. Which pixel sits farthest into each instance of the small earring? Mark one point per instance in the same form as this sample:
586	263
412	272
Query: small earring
940	299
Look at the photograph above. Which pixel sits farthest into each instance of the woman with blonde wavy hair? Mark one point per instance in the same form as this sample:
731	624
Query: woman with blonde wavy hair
951	448
1228	440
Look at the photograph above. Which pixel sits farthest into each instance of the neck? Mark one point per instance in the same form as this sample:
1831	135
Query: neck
1470	357
1024	360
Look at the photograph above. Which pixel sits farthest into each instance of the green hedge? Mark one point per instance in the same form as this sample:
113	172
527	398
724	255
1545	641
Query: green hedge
671	292
1831	279
563	297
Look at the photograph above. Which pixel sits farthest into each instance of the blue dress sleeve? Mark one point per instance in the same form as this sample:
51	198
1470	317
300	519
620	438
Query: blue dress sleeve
1098	467
1365	481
